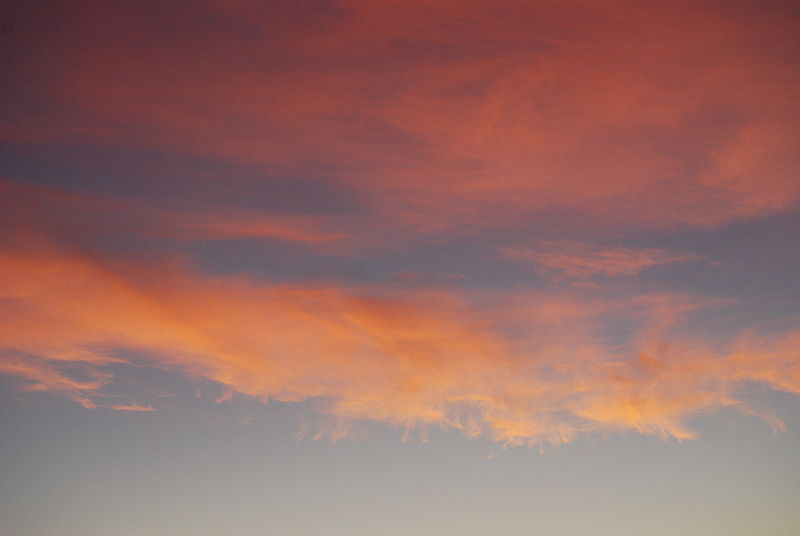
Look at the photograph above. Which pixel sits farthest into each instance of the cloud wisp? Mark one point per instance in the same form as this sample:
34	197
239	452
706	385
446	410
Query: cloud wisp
582	260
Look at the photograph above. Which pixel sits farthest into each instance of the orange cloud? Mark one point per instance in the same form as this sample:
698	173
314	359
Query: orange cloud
531	368
582	260
130	407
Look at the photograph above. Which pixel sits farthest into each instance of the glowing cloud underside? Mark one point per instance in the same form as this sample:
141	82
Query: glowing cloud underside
528	368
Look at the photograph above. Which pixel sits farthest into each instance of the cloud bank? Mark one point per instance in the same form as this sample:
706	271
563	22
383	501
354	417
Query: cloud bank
439	115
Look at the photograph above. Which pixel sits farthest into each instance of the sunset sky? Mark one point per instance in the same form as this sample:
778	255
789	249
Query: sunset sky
391	267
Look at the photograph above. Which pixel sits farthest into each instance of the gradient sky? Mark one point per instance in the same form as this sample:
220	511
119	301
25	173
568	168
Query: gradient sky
400	267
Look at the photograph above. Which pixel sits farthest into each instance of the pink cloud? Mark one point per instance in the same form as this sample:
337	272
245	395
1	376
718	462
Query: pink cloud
448	115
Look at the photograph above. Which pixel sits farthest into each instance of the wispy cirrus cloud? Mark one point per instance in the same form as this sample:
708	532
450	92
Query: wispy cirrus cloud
43	208
584	260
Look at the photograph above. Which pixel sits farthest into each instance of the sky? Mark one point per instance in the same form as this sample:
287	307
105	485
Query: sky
323	267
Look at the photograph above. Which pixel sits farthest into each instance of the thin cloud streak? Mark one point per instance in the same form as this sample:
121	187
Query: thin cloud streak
130	407
40	208
583	260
